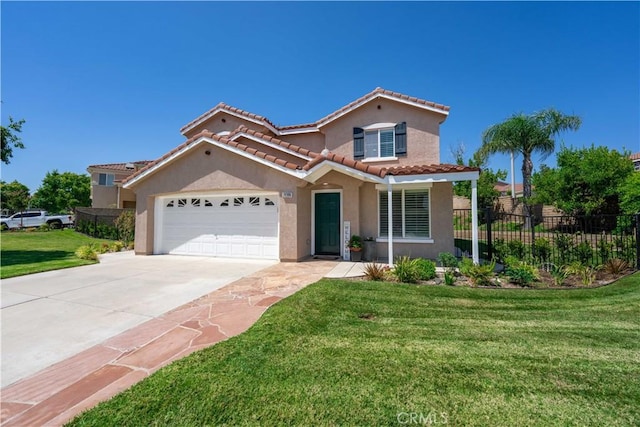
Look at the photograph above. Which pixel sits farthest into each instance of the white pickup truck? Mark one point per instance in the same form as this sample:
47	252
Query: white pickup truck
35	219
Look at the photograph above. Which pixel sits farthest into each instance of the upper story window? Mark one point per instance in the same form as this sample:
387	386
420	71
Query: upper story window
380	141
106	179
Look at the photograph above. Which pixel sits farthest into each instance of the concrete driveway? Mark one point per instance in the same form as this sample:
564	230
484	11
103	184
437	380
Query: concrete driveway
48	317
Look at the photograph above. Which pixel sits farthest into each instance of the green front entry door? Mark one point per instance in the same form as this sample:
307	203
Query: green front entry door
327	223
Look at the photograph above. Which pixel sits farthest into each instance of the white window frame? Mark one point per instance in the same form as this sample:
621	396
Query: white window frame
403	238
106	179
371	130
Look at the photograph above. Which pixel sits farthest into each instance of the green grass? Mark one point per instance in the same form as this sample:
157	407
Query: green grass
27	252
366	353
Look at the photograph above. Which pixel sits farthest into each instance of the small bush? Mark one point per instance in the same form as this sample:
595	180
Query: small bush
373	271
87	252
615	266
559	274
500	250
520	272
126	226
516	248
586	273
604	250
564	244
479	274
447	260
44	227
406	270
116	246
584	253
426	269
449	278
542	249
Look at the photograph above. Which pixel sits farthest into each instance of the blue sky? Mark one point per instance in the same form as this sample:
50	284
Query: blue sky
102	82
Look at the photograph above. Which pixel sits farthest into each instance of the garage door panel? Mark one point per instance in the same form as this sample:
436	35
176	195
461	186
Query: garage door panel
225	226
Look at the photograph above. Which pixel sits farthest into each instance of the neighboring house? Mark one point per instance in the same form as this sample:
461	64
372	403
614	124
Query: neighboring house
240	186
635	158
505	189
106	184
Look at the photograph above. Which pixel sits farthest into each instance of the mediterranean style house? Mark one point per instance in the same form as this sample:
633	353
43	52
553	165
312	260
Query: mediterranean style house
106	184
240	186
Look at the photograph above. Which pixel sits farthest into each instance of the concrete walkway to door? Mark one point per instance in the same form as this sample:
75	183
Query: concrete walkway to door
56	394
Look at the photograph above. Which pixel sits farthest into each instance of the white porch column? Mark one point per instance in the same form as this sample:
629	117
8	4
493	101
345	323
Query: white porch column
390	223
474	221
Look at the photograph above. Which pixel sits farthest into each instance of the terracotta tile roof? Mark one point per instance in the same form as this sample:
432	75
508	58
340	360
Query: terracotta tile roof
353	164
122	166
635	156
428	169
380	91
371	95
281	143
229	108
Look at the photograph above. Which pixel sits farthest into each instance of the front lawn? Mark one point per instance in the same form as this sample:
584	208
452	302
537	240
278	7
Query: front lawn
26	252
370	353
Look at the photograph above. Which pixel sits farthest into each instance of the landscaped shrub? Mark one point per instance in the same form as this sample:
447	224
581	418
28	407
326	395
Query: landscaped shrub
542	249
426	269
478	274
584	253
87	252
586	273
44	227
516	248
604	250
449	278
116	246
564	244
447	260
559	273
104	248
615	266
406	270
520	272
500	250
126	226
373	271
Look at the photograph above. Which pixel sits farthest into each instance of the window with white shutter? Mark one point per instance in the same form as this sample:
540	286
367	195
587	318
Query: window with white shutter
411	219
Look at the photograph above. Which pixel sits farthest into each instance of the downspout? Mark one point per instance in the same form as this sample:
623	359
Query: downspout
390	222
474	222
118	198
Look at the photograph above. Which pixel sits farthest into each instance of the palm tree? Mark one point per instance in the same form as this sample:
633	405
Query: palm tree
526	134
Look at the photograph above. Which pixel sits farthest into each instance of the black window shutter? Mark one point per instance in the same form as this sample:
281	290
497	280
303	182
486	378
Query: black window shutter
358	143
401	139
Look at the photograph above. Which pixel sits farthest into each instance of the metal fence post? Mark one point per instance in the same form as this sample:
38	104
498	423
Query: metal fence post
487	220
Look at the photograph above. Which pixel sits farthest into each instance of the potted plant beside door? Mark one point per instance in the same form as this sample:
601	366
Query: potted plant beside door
355	247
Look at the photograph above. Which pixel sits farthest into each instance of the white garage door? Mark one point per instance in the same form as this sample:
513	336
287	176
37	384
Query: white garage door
237	226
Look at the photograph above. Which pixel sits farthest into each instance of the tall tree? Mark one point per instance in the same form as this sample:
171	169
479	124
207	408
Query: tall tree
527	134
11	139
487	194
62	192
14	196
588	181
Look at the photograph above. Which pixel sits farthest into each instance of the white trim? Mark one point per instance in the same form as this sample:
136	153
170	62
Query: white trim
434	177
408	186
378	159
296	131
382	95
270	144
404	240
379	126
327	166
313	218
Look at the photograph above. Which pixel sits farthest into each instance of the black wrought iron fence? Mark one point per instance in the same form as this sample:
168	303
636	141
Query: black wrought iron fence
558	239
98	222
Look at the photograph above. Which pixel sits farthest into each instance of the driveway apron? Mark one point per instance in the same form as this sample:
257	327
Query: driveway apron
72	338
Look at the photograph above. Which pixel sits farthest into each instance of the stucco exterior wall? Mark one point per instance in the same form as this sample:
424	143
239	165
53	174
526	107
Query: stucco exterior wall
441	223
311	141
423	131
216	124
222	170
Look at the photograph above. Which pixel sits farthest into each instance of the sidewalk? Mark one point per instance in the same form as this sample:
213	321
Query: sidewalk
56	394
